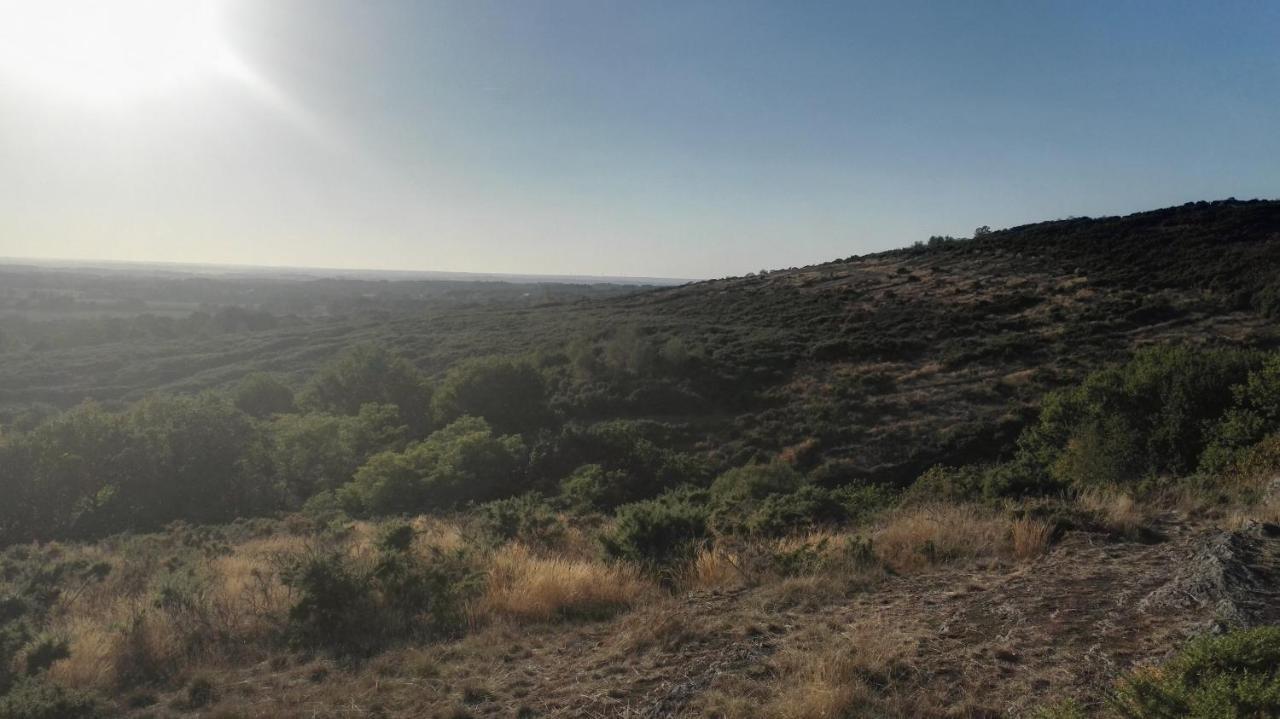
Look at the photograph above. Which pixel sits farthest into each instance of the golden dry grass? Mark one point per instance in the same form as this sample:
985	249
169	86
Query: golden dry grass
714	568
120	634
831	675
916	538
1117	511
527	587
1030	538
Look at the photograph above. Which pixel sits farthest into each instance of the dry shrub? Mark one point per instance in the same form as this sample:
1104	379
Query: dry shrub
440	534
1117	511
1030	537
714	568
129	645
121	633
830	675
919	537
527	587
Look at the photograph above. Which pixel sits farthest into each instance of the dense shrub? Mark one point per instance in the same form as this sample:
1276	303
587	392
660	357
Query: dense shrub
1254	414
262	395
592	487
527	519
1217	677
463	462
660	531
509	393
89	472
347	605
1145	418
629	463
303	454
754	482
371	374
37	699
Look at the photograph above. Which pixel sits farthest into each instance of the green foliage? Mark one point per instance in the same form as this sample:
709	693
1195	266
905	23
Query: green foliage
591	487
775	499
262	395
464	462
1233	676
371	374
659	531
349	606
309	453
1255	414
509	393
89	472
629	350
526	518
1142	419
755	482
32	579
612	463
37	699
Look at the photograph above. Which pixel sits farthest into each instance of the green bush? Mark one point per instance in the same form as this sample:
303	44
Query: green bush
36	699
353	607
304	454
659	531
262	395
631	463
754	482
371	374
592	487
1255	414
1143	419
509	393
1233	676
461	463
335	607
526	518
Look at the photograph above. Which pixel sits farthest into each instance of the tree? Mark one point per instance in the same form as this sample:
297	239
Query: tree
310	453
509	393
464	462
371	374
262	395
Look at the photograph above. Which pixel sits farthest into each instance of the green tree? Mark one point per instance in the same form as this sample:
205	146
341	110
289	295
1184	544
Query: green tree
1145	418
371	374
464	462
509	393
314	452
262	395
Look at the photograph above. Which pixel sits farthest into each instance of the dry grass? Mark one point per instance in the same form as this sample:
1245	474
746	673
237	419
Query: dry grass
831	675
527	587
120	634
919	537
664	624
714	568
1117	511
1030	538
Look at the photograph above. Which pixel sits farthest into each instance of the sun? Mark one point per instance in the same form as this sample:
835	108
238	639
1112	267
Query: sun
110	50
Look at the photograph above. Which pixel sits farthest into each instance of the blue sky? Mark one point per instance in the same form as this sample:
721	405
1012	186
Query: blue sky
686	139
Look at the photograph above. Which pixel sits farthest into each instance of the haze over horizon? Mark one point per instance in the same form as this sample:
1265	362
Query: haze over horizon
607	139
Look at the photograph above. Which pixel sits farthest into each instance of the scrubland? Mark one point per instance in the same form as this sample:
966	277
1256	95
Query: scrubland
1029	474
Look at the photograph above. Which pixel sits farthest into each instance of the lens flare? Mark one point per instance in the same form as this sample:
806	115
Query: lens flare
113	51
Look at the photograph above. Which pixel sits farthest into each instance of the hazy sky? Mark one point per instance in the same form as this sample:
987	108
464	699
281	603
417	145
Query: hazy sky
665	138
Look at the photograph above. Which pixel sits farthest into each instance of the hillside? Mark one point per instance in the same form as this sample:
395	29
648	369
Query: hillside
890	362
1031	473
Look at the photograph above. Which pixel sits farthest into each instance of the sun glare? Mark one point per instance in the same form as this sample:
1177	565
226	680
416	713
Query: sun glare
109	50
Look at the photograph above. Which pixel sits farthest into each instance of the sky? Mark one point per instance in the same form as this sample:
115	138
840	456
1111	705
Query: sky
666	138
